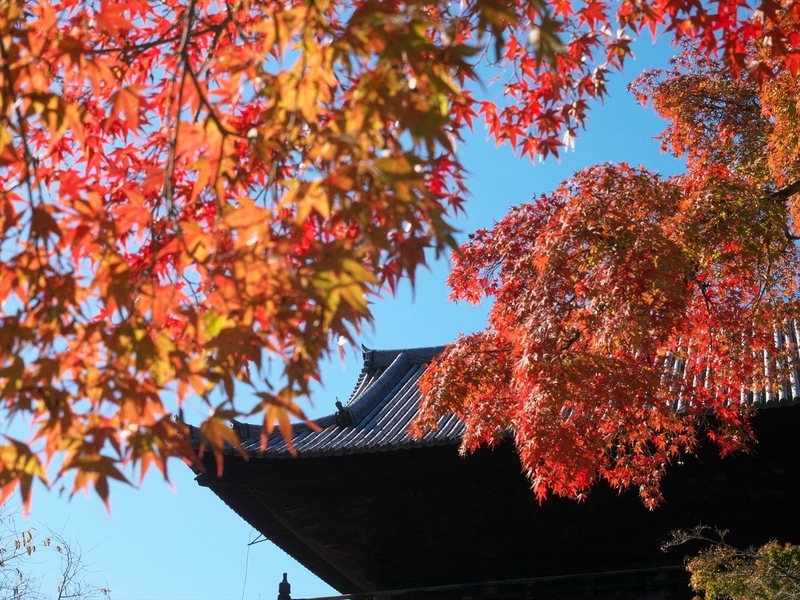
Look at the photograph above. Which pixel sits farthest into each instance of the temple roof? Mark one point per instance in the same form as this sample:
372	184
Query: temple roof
363	518
375	418
382	407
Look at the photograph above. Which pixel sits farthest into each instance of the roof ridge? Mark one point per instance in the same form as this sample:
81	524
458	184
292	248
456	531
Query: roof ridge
360	406
383	358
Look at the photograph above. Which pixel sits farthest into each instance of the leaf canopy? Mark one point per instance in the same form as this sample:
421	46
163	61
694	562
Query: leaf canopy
631	312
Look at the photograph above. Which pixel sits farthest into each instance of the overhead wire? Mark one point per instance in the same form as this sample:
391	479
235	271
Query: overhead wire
250	542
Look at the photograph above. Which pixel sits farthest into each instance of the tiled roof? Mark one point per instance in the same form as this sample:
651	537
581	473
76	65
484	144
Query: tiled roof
376	417
384	402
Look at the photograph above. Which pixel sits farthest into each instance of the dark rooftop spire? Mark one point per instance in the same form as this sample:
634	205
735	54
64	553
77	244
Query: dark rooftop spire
284	589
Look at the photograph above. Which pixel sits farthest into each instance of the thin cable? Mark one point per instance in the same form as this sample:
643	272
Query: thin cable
247	560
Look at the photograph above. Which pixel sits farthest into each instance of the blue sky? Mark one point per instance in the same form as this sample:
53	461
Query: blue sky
184	543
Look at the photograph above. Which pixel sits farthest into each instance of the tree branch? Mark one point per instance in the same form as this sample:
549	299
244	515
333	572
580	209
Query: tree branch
786	191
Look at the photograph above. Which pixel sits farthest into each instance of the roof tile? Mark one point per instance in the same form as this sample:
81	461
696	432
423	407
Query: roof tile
382	406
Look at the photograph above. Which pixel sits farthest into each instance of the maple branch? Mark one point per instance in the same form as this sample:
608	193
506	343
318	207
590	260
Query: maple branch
9	78
212	114
702	286
28	160
184	54
567	344
484	53
136	49
786	191
273	174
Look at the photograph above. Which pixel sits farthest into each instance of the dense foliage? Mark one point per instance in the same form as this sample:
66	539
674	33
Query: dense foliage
633	312
204	194
724	572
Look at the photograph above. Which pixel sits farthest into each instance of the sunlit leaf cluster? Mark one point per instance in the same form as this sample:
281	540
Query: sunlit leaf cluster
722	571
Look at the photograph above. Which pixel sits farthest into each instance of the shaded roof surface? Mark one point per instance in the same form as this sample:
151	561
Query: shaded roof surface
376	417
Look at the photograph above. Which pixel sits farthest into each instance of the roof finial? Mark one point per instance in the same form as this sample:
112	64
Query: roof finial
344	416
284	589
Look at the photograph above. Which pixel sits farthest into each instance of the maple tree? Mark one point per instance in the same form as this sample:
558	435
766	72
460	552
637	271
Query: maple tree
632	313
192	192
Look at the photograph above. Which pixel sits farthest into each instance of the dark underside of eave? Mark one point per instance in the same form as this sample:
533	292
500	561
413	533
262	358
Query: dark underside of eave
425	516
